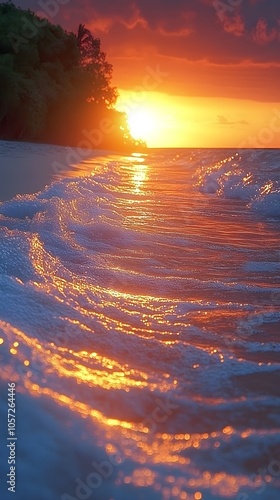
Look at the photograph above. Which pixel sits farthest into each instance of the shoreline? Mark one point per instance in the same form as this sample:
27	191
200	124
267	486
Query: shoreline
27	167
121	150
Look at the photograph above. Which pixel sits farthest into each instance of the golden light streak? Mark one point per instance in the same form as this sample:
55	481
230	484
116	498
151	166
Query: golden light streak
182	121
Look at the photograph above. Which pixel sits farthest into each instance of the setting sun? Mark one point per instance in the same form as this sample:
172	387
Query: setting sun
142	123
149	116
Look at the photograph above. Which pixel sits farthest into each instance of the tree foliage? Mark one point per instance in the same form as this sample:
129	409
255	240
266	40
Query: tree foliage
54	84
93	61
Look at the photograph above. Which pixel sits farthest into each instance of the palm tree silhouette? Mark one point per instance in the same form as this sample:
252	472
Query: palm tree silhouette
84	37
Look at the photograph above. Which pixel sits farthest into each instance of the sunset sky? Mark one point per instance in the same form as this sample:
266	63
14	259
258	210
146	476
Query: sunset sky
190	73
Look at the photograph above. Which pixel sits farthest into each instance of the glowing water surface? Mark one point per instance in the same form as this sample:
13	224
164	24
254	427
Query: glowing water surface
139	318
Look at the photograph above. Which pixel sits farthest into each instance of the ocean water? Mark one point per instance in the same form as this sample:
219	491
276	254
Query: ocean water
139	319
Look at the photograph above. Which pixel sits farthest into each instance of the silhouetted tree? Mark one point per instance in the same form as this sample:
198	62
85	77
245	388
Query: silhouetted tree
54	84
93	60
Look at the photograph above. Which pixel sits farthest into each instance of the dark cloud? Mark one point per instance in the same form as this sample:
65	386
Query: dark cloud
263	34
167	16
204	29
209	31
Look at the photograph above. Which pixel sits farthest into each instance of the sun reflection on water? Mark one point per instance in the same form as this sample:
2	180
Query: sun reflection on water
116	345
139	172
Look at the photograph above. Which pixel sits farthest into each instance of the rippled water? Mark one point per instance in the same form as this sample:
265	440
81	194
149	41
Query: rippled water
139	317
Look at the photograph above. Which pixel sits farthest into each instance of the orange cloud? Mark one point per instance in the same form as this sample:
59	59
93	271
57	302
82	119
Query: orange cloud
262	34
234	24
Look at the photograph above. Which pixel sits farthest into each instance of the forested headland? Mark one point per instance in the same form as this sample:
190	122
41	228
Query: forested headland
56	86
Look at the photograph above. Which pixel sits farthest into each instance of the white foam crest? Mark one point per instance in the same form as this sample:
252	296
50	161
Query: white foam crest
233	178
